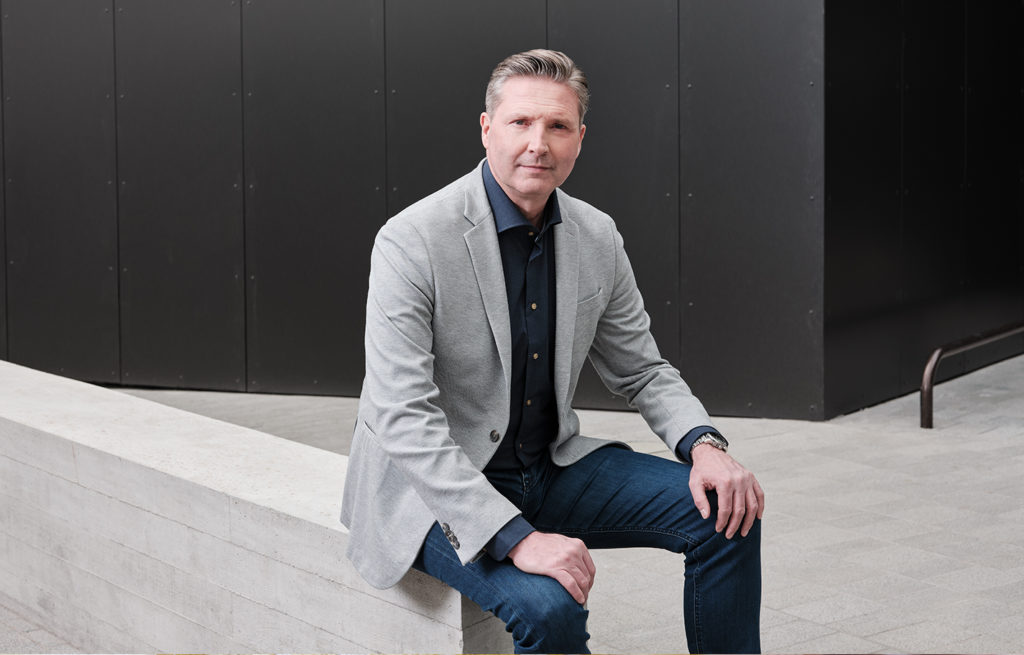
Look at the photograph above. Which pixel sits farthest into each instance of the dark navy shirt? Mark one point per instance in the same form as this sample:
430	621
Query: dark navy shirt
528	260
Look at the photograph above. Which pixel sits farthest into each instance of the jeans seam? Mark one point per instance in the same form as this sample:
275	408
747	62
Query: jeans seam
698	632
624	529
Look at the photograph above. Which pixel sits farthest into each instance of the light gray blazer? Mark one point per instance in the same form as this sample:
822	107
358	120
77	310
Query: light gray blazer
435	399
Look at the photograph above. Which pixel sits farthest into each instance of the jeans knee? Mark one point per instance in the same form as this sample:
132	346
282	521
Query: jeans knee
552	623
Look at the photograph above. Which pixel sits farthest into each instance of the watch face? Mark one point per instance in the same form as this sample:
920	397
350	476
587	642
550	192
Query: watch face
715	440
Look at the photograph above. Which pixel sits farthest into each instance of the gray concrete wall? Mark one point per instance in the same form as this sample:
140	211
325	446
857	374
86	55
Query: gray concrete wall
128	526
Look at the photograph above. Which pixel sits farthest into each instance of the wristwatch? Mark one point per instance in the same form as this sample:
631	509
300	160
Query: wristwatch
710	438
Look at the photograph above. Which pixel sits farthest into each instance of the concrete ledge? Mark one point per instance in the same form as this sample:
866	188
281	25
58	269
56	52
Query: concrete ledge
128	526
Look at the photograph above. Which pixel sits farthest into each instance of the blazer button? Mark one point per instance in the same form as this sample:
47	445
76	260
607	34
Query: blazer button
452	539
495	436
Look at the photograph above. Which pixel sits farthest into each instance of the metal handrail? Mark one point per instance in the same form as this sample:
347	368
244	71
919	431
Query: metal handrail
955	348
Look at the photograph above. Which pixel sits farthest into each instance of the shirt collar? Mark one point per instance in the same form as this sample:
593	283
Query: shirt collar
506	214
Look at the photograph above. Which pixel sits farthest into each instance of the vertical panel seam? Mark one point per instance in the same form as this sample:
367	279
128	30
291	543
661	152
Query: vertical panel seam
117	198
902	167
547	24
387	122
3	168
680	306
245	205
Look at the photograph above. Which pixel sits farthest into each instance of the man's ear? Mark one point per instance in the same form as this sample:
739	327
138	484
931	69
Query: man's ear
583	130
485	127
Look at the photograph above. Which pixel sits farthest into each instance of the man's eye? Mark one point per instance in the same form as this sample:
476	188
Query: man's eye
519	121
559	126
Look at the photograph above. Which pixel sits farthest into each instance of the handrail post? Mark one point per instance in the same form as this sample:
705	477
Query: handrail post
928	386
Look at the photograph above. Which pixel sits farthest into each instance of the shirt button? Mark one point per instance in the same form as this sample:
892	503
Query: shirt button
495	436
530	234
533	305
529	402
536	355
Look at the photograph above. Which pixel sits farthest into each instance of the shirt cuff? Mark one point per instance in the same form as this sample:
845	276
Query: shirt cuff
507	538
686	443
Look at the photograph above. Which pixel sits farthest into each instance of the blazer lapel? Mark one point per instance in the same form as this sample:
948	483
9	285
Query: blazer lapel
482	241
567	274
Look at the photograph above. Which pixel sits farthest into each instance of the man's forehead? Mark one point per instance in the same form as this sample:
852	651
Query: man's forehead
530	94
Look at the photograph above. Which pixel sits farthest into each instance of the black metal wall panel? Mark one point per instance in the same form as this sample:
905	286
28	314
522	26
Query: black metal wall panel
943	261
945	153
989	255
314	151
3	221
629	166
752	170
180	167
439	58
994	143
58	61
992	220
933	146
863	243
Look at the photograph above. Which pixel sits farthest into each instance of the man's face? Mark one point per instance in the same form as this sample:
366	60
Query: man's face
532	139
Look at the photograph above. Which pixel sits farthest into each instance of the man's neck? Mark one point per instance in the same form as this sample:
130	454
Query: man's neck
531	209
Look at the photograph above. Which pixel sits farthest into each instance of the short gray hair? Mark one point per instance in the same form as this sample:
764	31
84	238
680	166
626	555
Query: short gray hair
550	64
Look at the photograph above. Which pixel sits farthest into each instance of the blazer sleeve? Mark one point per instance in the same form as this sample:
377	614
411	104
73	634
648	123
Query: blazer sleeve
627	359
399	401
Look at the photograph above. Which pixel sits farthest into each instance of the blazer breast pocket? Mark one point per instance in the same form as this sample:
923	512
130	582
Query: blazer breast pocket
591	303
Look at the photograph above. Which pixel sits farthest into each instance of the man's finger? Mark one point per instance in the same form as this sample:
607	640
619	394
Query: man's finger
760	499
700	498
724	509
752	509
739	511
588	561
566	580
583	579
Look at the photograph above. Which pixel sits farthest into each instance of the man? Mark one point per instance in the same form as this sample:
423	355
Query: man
467	462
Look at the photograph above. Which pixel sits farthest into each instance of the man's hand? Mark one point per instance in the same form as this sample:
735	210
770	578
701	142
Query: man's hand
565	559
740	498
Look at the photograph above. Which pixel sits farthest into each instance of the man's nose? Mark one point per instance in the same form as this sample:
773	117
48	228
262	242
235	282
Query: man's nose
538	140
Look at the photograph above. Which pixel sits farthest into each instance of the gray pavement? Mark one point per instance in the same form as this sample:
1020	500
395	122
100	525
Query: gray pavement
878	537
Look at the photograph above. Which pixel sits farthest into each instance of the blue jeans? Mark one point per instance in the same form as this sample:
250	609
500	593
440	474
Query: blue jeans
612	498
